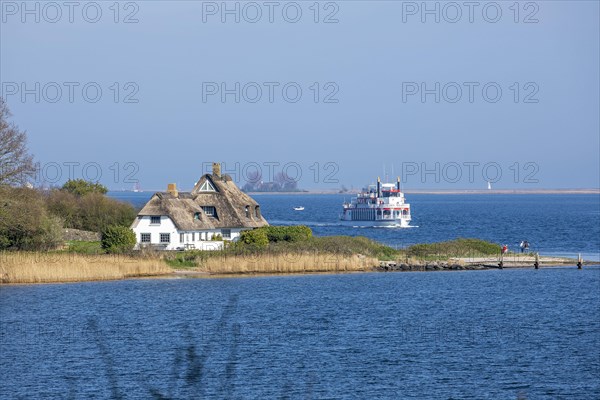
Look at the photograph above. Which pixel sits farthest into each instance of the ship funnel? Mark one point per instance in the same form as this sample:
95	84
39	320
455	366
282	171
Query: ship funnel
398	183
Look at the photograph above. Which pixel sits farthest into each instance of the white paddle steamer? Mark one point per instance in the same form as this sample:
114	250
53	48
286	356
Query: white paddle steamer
382	204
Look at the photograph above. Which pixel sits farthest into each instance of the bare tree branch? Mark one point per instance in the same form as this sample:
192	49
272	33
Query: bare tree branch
16	164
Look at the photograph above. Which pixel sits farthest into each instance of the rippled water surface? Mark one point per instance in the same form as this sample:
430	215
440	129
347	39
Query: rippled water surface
501	334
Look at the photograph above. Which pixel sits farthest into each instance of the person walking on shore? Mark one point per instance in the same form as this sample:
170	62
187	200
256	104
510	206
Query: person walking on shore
522	246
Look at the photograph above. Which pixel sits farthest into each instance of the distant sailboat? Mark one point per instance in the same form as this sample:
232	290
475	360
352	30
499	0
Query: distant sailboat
489	185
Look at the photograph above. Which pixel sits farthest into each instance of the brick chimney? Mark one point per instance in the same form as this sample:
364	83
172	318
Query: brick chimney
172	188
216	170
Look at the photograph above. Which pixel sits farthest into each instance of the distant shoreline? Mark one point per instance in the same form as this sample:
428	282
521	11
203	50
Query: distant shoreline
419	191
452	191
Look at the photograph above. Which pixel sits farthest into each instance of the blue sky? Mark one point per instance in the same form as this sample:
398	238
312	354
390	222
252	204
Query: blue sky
362	79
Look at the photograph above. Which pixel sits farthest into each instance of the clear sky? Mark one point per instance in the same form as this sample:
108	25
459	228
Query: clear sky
383	84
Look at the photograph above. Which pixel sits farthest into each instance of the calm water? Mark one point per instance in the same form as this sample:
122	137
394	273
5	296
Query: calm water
553	224
475	334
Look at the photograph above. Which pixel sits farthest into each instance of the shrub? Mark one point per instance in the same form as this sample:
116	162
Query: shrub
454	248
217	238
275	233
118	239
335	245
84	247
256	238
347	245
295	233
298	233
24	222
50	235
185	259
91	212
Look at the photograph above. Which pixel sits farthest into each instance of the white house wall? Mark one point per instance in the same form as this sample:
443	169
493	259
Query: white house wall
200	240
143	225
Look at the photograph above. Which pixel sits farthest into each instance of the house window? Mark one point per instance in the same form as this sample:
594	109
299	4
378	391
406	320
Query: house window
145	238
257	211
154	220
226	233
181	237
193	236
165	238
247	209
197	215
207	187
210	211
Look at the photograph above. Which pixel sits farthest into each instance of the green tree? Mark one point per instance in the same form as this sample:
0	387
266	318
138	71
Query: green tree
81	187
118	239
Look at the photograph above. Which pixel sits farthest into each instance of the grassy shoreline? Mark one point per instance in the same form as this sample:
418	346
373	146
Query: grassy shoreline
51	267
286	264
83	261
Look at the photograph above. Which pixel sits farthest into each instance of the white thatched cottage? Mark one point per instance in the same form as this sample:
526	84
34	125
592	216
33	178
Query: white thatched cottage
214	208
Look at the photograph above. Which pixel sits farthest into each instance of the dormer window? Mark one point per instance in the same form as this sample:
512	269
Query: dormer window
257	211
155	220
210	211
196	215
247	210
207	187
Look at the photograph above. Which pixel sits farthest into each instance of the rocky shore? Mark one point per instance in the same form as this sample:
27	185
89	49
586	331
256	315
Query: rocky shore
426	266
516	261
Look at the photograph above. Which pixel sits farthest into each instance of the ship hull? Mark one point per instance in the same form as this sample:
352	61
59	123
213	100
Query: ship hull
399	223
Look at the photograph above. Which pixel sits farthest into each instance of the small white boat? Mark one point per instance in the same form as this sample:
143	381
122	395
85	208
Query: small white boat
299	208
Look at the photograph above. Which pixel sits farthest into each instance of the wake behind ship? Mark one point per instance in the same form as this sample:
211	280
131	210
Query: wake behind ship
378	205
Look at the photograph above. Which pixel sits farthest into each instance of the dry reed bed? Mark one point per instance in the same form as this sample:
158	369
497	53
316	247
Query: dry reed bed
286	263
24	267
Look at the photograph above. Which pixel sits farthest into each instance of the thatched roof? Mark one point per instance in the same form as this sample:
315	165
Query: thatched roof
185	208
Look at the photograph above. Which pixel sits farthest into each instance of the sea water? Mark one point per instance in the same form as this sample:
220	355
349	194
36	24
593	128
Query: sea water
496	334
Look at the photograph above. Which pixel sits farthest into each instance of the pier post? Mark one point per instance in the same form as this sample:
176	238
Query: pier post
536	264
501	263
579	261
